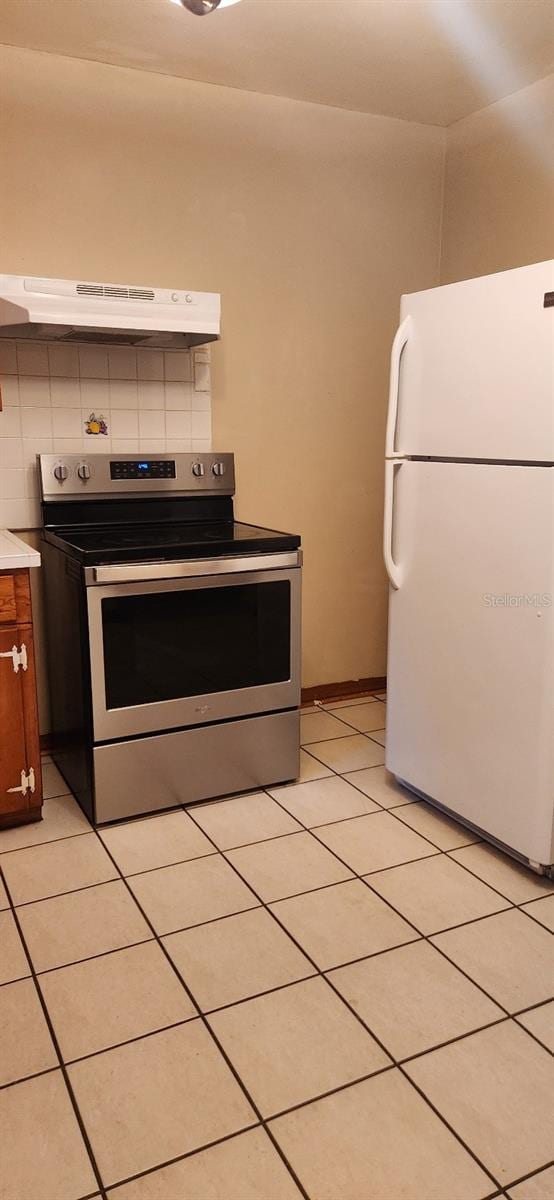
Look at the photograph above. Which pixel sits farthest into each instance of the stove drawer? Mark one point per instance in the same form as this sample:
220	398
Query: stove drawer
195	764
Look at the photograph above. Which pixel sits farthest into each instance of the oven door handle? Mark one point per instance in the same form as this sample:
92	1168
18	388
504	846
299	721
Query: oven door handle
141	572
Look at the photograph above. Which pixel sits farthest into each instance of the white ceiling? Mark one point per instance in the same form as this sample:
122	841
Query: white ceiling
421	60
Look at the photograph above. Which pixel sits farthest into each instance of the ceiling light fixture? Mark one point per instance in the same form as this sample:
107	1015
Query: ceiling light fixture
201	7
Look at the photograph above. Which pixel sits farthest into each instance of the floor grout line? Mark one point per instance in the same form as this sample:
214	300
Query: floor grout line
309	749
86	887
228	1137
139	1037
212	1034
317	971
337	737
52	1032
531	1007
34	1074
179	862
66	837
514	903
530	1175
77	962
423	936
372	1034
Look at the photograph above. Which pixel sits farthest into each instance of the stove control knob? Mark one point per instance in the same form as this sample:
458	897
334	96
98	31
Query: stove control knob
218	468
198	469
83	471
60	472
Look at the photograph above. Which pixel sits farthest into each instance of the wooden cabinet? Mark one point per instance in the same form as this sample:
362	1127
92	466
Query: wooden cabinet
20	774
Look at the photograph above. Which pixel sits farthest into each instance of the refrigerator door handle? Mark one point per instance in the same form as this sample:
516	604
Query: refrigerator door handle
394	571
400	338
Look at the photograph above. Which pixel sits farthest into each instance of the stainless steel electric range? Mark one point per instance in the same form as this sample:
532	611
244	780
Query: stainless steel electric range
173	633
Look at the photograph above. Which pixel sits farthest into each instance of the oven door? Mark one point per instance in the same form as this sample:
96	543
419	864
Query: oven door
211	641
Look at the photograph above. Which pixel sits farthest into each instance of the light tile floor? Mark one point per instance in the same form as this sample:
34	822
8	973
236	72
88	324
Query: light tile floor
327	990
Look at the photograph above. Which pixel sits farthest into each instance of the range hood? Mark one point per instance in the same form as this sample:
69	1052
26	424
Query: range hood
67	310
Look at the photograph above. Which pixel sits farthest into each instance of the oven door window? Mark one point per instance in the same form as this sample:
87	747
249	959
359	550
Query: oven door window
172	644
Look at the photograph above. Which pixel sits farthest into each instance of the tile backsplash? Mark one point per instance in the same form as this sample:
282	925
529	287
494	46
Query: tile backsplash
150	400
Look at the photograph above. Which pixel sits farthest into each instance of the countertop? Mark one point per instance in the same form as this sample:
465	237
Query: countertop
16	553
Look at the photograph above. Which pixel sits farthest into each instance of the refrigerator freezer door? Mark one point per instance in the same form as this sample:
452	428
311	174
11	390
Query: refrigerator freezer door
471	646
477	371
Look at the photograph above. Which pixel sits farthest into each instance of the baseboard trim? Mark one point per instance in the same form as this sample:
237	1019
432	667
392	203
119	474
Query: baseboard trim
343	691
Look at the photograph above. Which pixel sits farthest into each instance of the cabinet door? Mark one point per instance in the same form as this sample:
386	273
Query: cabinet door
30	715
13	752
8	599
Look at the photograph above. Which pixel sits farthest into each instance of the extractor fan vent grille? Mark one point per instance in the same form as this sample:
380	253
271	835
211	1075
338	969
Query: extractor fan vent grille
111	292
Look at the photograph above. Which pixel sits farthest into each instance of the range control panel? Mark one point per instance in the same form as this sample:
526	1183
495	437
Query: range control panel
69	476
145	469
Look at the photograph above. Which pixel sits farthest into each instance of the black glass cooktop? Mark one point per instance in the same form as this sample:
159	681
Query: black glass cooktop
154	542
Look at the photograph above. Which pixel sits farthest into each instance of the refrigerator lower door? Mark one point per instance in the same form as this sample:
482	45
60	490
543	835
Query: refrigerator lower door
471	646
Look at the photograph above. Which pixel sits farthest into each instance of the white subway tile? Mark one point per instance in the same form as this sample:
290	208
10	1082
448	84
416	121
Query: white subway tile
34	391
11	452
150	364
58	386
100	444
177	425
66	423
178	366
67	445
32	486
201	425
36	422
63	360
65	393
20	514
202	355
12	483
203	445
201	376
95	394
33	446
10	423
9	387
8	357
32	358
124	423
151	394
201	402
93	362
123	393
178	396
122	362
151	424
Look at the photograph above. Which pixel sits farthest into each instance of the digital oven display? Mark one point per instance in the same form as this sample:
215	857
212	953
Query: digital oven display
149	469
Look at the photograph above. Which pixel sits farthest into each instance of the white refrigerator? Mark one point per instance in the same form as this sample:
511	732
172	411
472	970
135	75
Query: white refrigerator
469	551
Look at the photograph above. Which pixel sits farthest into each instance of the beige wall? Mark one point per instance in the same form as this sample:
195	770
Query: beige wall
499	186
310	221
